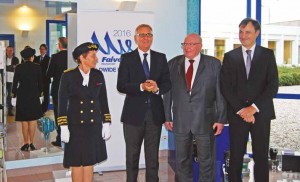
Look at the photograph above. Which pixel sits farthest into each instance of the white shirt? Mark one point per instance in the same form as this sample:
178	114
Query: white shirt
8	61
86	77
244	49
195	66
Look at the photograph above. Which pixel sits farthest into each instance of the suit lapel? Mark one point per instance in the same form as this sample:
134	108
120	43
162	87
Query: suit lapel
241	63
137	62
255	60
181	70
199	70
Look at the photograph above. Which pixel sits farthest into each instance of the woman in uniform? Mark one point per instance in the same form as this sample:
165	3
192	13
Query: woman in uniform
83	114
26	96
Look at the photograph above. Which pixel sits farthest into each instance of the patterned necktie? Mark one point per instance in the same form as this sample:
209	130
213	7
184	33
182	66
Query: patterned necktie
146	66
248	62
189	75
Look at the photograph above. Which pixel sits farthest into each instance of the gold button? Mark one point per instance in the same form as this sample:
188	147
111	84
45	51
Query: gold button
92	120
81	121
81	112
81	102
92	110
92	101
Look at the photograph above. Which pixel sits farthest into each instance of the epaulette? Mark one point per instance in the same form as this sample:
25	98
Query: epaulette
67	70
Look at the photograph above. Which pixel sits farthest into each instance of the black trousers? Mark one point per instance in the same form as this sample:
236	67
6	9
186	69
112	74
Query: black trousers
134	137
55	107
8	96
46	97
260	135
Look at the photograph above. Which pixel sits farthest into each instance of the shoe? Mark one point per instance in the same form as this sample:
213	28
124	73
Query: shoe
56	143
32	147
25	147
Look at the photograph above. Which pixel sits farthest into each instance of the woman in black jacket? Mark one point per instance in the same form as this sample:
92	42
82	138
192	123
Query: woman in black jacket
26	95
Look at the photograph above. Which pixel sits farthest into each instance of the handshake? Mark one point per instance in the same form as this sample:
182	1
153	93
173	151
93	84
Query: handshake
65	133
150	86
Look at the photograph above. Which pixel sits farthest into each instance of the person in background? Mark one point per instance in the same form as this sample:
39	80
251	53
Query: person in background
11	63
58	63
144	77
198	107
43	61
83	114
26	96
249	80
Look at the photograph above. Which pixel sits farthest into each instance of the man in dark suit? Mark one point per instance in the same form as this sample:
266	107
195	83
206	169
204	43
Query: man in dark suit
43	61
11	63
58	63
199	109
143	77
249	82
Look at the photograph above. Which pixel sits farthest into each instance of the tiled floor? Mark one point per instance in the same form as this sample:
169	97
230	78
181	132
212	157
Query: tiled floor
44	173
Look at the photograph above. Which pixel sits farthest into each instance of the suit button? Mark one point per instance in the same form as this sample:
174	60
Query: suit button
92	110
81	102
81	112
81	121
92	101
92	120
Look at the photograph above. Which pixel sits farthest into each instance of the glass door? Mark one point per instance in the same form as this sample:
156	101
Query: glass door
54	30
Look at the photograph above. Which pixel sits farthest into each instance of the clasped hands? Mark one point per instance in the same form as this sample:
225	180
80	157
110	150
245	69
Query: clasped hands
247	113
150	86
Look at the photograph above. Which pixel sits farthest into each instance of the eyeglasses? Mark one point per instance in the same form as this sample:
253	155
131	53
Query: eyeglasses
143	35
189	44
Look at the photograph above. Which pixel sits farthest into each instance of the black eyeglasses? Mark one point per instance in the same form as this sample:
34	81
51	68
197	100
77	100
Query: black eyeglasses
142	35
189	44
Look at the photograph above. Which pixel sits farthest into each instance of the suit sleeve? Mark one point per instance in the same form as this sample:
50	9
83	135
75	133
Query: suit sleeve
272	84
15	83
227	85
164	84
51	67
63	96
167	99
40	81
220	100
104	102
123	84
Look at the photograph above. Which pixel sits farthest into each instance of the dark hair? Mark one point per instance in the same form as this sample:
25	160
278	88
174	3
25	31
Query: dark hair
254	22
44	45
63	41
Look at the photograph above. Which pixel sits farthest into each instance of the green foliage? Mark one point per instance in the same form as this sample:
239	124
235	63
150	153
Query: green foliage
289	76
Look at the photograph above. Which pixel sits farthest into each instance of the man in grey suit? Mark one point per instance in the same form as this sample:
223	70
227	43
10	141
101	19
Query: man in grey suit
199	109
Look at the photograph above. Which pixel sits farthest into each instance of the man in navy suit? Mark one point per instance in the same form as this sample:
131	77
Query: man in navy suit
58	63
249	82
43	61
143	77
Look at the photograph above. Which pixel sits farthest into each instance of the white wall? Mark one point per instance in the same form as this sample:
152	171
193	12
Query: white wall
169	20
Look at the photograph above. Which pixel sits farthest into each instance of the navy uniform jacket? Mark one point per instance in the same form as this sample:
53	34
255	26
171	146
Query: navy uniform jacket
79	104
